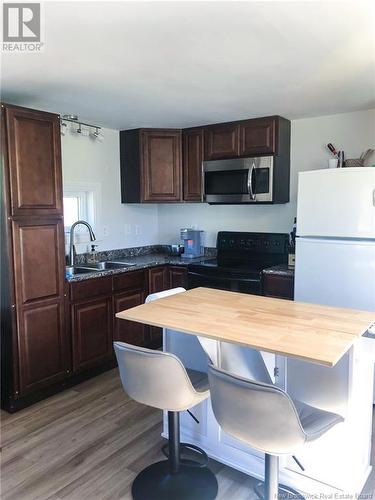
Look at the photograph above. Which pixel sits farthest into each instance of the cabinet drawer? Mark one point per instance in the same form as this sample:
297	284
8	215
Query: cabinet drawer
91	288
131	280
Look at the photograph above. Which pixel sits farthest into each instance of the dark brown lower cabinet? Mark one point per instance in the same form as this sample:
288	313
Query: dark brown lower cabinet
278	286
177	276
91	317
43	347
158	281
129	331
92	332
66	330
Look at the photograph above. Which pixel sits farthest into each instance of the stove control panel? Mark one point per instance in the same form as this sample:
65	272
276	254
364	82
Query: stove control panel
230	242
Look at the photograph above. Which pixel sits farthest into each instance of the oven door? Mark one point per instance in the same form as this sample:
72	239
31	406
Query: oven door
242	180
243	285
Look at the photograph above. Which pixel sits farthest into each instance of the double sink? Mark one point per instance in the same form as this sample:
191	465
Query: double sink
96	267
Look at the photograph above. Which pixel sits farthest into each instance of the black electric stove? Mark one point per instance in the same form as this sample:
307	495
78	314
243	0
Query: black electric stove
241	258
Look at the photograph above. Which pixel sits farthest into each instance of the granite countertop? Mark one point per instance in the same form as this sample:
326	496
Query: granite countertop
280	270
140	262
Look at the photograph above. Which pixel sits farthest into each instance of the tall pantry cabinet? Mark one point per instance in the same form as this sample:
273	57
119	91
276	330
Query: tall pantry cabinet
34	340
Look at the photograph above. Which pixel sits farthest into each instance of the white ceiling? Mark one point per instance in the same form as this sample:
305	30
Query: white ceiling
178	64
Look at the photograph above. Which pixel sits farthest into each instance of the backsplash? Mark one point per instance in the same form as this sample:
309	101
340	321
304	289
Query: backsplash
123	253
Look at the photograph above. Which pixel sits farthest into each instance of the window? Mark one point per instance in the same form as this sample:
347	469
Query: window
75	207
81	201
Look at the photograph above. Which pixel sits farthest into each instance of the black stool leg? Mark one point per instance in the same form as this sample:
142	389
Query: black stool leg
171	479
174	441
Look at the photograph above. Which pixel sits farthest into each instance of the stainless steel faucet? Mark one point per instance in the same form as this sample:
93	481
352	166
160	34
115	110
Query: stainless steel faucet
71	242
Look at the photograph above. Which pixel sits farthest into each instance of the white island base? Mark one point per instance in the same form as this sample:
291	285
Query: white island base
336	464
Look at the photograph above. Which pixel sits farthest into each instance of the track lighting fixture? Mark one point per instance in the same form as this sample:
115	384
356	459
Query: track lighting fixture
80	128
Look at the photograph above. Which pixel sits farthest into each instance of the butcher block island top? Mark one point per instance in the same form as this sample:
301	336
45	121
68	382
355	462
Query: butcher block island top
315	333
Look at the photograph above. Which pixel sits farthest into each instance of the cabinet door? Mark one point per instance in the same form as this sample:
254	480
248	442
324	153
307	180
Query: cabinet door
192	164
177	276
158	281
92	333
221	141
43	345
161	165
34	159
258	136
129	331
38	248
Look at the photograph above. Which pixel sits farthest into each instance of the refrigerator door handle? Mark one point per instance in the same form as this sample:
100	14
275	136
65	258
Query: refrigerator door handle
373	197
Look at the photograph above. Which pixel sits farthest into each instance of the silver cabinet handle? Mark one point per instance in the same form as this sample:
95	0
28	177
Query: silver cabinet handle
250	182
373	197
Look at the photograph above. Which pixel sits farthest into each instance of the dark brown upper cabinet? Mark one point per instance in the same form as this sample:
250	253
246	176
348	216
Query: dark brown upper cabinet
221	141
165	165
192	146
151	165
258	137
34	157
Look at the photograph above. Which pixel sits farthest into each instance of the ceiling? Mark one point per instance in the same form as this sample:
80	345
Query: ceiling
179	64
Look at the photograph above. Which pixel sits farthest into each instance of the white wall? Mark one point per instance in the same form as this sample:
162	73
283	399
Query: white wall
352	132
86	161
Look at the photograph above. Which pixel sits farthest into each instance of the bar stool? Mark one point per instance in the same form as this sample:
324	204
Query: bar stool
160	380
266	418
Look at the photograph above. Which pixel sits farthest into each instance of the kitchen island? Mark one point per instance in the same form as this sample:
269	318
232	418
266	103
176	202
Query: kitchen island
317	353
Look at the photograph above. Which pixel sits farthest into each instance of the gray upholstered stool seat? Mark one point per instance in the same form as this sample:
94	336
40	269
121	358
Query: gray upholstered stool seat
159	379
266	418
315	422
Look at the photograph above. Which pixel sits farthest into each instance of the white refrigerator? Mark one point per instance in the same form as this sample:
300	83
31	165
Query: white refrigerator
335	244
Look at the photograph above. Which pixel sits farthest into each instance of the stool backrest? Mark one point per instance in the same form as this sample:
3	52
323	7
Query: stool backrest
237	359
154	378
164	293
244	362
259	414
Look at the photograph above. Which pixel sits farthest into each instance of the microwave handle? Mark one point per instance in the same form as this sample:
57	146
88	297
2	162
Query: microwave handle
250	188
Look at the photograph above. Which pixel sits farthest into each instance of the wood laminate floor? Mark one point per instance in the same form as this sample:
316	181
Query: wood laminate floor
88	443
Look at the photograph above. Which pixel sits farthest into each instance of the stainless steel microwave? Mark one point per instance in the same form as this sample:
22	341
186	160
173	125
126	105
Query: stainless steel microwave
241	180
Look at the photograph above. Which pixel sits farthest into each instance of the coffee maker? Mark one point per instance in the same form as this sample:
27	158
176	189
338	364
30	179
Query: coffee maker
192	243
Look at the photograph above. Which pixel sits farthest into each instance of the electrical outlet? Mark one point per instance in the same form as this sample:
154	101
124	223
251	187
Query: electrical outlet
105	231
137	229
